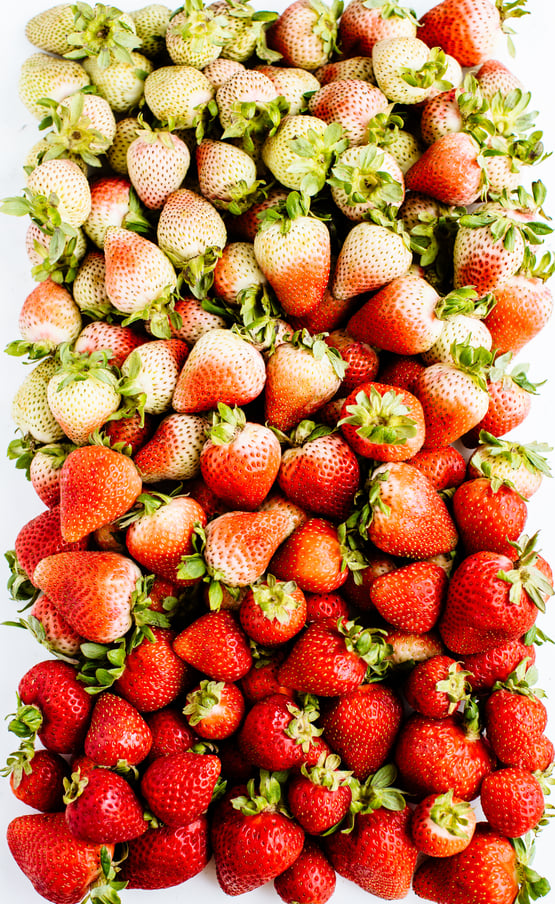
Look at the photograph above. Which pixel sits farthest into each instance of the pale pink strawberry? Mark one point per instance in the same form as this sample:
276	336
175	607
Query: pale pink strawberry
157	163
173	452
351	67
117	341
44	471
486	256
89	285
305	34
362	25
112	204
194	320
138	273
226	175
48	317
370	257
219	71
493	77
351	102
236	270
292	84
150	373
189	226
53	631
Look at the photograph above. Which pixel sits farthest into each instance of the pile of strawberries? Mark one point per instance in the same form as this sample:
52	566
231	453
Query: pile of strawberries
283	266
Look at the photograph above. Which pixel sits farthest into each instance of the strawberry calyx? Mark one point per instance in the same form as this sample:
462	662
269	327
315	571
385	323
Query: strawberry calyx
531	885
74	786
368	644
430	73
242	196
19	763
451	816
198	272
106	889
326	773
301	728
381	419
227	424
302	339
266	794
26	723
377	791
274	599
530	456
202	701
543	269
159	313
305	432
78	366
284	212
316	153
525	576
146	504
367	500
465	301
352	555
102	33
455	686
472	718
499	372
193	567
390	9
366	181
254	118
325	25
521	681
36	628
23	449
434	236
20	588
71	133
473	361
201	27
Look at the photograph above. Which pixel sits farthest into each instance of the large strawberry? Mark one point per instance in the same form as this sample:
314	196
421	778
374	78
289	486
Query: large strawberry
165	856
102	808
279	734
512	800
152	674
371	256
178	788
442	824
468	29
489	517
410	597
449	170
215	645
305	33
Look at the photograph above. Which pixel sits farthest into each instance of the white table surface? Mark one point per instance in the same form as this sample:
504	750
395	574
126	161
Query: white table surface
533	63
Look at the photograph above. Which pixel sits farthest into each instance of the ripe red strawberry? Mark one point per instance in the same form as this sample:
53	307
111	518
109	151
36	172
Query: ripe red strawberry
102	808
216	645
489	517
173	452
253	845
166	856
117	341
310	878
153	675
362	360
51	630
492	599
443	825
383	422
215	709
319	796
411	597
93	591
409	518
486	668
320	472
361	727
436	687
512	800
56	706
400	370
329	658
466	29
262	678
38	780
325	605
97	486
359	594
42	537
486	254
438	754
117	732
178	788
510	399
170	731
272	612
132	431
312	557
240	460
444	467
524	304
515	723
59	867
278	734
448	170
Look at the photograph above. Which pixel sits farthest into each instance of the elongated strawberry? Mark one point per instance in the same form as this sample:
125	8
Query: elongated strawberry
117	732
411	597
173	452
41	537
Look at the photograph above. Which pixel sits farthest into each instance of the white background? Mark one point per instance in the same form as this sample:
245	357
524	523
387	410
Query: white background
533	63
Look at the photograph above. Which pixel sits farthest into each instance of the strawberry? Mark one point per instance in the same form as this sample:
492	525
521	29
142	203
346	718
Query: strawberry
178	788
82	393
331	658
292	84
362	25
488	249
216	645
325	605
170	731
361	726
310	878
117	341
443	825
67	181
56	706
262	678
512	800
351	67
48	317
510	399
523	466
220	71
408	72
410	647
102	808
411	597
30	408
44	471
166	856
305	33
153	675
320	472
227	175
272	612
379	854
435	687
493	599
151	371
400	370
278	734
173	452
365	177
487	668
113	203
301	375
117	732
435	755
221	367
236	270
359	594
382	422
253	840
404	516
194	320
313	556
59	867
133	432
42	76
515	722
362	360
121	83
237	118
493	76
371	256
319	796
240	460
352	103
38	780
195	35
444	467
215	709
488	516
177	93
51	630
468	29
524	305
41	537
448	170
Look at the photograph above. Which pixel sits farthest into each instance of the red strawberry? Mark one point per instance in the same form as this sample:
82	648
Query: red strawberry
38	780
277	734
325	605
488	667
319	796
42	537
448	170
438	754
253	845
515	723
57	704
240	460
524	305
48	317
173	452
489	517
436	687
443	825
466	29
361	726
262	678
488	249
102	808
330	658
216	645
359	594
165	856
512	800
312	557
411	597
93	591
153	675
170	731
399	318
178	788
383	422
272	612
215	709
510	399
117	732
310	878
444	467
59	867
362	360
97	486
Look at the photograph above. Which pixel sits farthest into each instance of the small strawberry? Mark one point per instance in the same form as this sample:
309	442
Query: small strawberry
173	452
152	675
102	808
178	788
249	106
515	722
362	360
216	645
319	796
489	249
293	84
524	304
488	516
82	393
493	76
117	341
48	318
510	399
382	422
51	630
278	734
436	687
310	878
170	731
325	605
523	466
195	35
272	612
411	597
117	732
215	709
63	178
164	857
30	408
314	556
42	76
512	800
37	779
487	668
443	825
444	467
178	94
408	647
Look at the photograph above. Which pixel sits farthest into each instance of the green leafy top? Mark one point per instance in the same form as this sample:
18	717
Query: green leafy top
525	576
104	33
381	419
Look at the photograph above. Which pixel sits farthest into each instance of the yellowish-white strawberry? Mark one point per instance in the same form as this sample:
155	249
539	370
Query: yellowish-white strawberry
249	105
301	152
65	180
102	33
386	130
196	35
83	125
365	177
226	175
408	72
305	34
237	270
220	71
150	373
371	256
157	163
50	259
121	84
49	29
30	409
352	67
292	84
82	393
151	23
455	331
113	203
178	94
48	317
126	132
46	76
246	27
89	285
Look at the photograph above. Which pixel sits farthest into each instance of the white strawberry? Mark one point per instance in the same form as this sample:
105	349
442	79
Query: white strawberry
178	94
82	394
67	181
150	373
46	76
30	408
157	163
371	256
